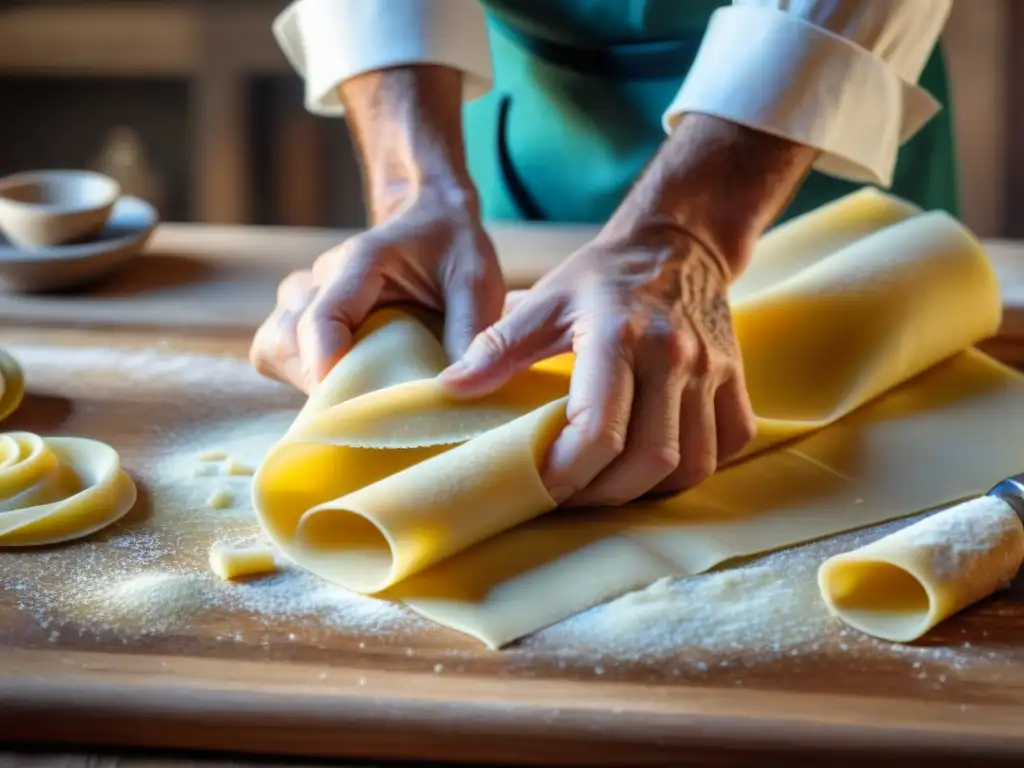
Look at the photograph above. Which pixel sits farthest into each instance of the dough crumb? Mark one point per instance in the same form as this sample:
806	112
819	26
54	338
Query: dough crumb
222	498
438	669
215	455
230	562
235	467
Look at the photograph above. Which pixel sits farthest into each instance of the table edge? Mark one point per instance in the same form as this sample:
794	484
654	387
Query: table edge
131	700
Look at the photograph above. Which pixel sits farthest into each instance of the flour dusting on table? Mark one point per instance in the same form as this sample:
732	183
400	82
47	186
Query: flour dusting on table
767	609
148	576
963	538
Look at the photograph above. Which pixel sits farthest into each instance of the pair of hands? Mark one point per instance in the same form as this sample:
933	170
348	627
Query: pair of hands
657	397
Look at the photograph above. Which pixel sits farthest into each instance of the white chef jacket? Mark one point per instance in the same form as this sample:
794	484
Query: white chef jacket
837	75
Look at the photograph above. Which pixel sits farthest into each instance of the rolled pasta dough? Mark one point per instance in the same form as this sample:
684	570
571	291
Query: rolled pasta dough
54	489
855	323
899	587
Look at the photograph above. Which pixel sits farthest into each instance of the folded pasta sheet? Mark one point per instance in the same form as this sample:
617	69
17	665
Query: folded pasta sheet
856	323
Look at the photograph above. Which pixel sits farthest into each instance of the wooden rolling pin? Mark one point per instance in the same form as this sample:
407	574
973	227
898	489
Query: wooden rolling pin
899	587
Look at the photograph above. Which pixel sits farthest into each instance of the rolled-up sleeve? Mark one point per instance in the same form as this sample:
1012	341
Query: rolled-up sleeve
837	75
331	41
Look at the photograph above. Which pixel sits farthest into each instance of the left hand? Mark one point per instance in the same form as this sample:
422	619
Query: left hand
657	398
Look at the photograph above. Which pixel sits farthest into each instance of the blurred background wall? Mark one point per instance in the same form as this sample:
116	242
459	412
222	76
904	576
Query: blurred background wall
192	105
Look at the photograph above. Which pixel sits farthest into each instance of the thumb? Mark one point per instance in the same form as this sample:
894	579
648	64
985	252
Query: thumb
328	325
522	337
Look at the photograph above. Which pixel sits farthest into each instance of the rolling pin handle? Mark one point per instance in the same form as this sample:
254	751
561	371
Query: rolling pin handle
1011	490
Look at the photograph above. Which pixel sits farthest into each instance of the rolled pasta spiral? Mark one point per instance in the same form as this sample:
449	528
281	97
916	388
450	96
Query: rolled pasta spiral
54	489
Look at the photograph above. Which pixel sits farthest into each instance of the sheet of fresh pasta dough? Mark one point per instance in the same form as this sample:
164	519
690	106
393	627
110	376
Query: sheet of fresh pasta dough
855	323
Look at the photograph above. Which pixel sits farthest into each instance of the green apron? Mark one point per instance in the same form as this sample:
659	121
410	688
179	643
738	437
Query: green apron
575	113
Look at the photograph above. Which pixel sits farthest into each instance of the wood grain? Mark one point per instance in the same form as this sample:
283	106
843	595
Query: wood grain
285	689
223	279
290	689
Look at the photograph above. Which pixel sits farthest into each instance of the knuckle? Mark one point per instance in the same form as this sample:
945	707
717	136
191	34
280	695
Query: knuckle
746	427
695	470
258	356
295	283
264	348
621	330
661	459
308	324
607	441
680	351
360	249
493	341
742	433
327	262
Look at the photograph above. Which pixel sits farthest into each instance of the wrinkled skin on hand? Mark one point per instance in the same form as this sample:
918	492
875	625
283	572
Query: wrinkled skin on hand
657	398
430	253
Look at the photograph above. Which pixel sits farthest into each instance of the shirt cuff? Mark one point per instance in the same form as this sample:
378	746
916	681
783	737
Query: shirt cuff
774	72
330	41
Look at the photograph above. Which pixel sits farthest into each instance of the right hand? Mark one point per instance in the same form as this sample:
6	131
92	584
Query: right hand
432	251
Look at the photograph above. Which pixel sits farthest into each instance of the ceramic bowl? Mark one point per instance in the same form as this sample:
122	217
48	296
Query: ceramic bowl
47	208
65	267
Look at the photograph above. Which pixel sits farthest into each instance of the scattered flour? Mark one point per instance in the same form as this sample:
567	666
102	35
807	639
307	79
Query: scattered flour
957	540
158	601
769	607
762	611
149	575
163	601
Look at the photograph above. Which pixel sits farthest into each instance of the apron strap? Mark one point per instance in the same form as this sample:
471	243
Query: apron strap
529	210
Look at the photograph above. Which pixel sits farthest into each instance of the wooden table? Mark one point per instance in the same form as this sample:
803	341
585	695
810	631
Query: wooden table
223	279
201	291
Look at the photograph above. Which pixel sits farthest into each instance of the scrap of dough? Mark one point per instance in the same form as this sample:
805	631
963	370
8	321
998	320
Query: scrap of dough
214	455
235	467
238	562
853	326
221	498
54	489
899	587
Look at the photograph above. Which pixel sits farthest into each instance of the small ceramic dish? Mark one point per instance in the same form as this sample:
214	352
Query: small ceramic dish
46	208
62	267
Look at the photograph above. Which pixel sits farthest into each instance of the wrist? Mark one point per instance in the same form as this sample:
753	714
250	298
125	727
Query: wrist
719	183
446	197
406	125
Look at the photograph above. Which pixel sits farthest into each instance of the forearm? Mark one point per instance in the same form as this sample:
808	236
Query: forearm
406	124
837	75
719	182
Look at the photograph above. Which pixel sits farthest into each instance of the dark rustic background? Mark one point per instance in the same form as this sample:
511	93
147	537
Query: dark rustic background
220	118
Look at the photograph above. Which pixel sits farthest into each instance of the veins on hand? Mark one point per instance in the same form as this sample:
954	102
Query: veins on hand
704	300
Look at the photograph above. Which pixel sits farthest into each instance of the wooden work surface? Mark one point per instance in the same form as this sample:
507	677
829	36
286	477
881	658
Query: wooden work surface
223	279
233	680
